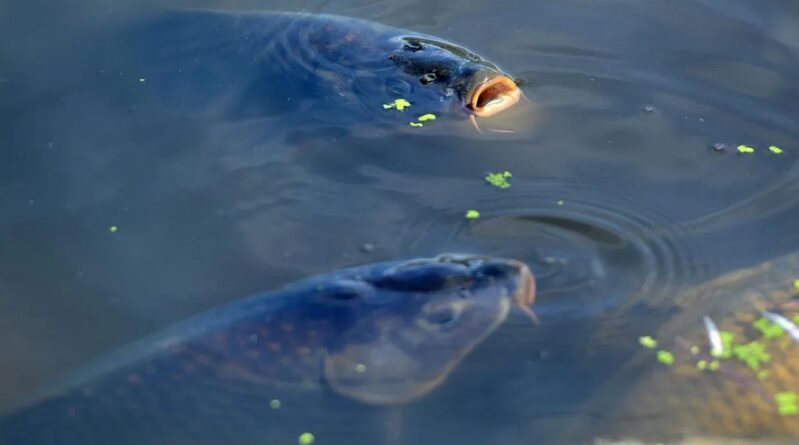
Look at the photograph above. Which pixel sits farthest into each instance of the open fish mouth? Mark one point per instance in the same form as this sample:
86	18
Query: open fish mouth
493	96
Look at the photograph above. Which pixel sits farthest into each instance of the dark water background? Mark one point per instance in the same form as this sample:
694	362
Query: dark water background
618	200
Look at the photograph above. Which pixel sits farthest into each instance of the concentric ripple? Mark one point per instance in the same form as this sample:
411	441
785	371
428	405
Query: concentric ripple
591	250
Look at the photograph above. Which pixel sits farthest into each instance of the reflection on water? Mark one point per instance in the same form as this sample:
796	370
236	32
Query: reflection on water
210	210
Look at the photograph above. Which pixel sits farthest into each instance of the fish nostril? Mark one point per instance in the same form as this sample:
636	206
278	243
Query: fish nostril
470	261
428	78
413	45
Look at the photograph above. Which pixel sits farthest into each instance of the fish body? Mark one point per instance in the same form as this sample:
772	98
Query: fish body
247	65
729	395
382	334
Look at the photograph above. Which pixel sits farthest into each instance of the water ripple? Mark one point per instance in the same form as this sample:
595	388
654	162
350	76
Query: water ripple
592	250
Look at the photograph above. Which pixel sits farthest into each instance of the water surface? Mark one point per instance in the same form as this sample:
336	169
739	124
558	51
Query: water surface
617	201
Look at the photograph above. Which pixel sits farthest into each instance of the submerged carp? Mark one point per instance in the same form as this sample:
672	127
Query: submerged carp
254	64
382	334
735	370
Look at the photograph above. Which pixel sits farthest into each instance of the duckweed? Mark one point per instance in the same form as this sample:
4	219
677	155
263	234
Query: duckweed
416	124
776	150
745	149
787	403
768	329
398	104
727	339
753	354
666	357
472	214
499	180
648	342
426	117
306	439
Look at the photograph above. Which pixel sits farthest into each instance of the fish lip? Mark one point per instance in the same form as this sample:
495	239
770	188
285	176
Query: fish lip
482	99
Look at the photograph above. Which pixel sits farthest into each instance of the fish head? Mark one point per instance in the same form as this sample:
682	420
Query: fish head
417	320
447	69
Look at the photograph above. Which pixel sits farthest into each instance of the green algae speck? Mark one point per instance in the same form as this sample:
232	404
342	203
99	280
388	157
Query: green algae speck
769	329
753	354
648	342
787	403
745	149
714	365
499	180
398	104
472	214
113	229
701	365
727	339
666	357
776	150
426	117
422	118
275	404
306	439
694	350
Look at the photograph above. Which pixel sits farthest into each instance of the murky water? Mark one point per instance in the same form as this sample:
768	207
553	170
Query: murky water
618	199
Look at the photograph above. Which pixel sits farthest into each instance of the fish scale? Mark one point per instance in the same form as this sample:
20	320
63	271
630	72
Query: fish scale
660	402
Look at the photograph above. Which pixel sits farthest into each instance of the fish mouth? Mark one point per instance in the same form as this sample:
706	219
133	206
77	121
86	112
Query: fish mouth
494	95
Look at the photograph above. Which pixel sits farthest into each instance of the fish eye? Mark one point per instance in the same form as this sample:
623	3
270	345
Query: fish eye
441	317
427	78
413	45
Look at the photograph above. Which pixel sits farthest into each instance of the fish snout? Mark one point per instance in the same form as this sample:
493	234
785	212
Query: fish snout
512	271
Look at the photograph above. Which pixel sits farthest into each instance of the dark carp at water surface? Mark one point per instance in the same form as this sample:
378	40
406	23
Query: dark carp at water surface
382	334
323	67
